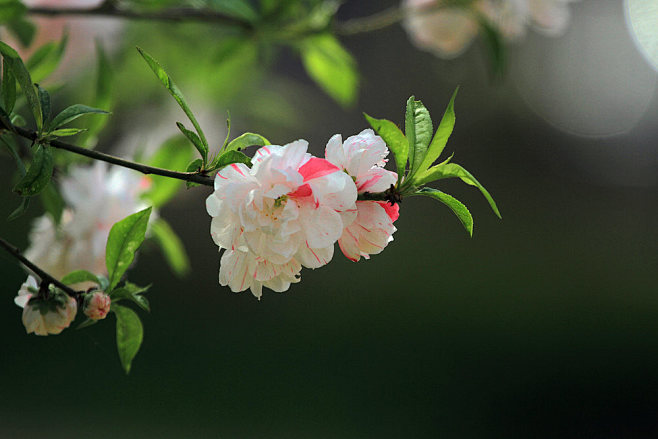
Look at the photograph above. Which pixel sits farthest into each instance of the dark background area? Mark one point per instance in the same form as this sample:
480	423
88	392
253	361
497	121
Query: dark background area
542	325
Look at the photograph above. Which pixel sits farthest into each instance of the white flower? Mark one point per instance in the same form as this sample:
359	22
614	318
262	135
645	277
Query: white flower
97	305
288	210
45	316
363	157
96	198
448	31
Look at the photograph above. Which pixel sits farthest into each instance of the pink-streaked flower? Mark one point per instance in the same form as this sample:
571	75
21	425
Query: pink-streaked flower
97	305
363	157
45	316
96	197
287	211
448	31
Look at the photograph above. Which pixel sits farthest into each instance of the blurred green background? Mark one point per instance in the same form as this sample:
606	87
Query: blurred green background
541	326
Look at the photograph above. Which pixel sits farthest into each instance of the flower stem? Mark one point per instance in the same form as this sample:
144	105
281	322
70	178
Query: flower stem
193	177
45	277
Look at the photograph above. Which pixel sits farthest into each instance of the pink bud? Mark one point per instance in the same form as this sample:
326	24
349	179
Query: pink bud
97	305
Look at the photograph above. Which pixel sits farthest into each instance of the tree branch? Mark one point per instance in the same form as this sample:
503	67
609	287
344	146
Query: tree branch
193	177
45	277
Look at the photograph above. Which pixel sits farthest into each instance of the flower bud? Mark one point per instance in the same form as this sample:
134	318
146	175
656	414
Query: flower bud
49	316
97	305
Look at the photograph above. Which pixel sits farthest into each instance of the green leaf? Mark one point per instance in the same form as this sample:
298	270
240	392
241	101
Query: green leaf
125	238
174	154
133	293
71	113
44	100
421	127
194	166
230	157
23	30
171	246
20	210
64	132
78	276
52	202
46	58
176	93
87	323
441	137
331	66
395	140
451	170
24	80
130	334
245	140
241	9
8	88
103	97
455	205
10	10
192	137
39	173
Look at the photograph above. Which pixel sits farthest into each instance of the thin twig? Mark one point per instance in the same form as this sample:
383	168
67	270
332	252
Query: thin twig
45	277
193	177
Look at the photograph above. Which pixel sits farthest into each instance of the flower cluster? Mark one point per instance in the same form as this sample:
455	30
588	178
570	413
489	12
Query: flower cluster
447	30
290	208
96	198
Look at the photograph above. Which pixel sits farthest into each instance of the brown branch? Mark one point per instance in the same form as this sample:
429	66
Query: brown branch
193	177
45	277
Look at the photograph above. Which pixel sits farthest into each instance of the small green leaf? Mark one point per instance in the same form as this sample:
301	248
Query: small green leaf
245	140
71	113
230	157
441	137
172	247
173	154
192	137
451	170
130	334
39	173
44	100
422	134
64	132
8	88
24	80
125	238
20	210
87	323
455	205
194	166
133	293
176	93
52	202
240	9
331	66
46	58
395	140
78	276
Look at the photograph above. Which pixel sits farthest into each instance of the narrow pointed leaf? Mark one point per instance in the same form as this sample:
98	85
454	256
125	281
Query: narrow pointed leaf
65	132
410	128
20	210
172	247
24	80
133	293
125	238
176	93
44	100
71	113
452	170
441	136
455	205
194	138
423	130
8	88
395	140
130	334
39	173
47	58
